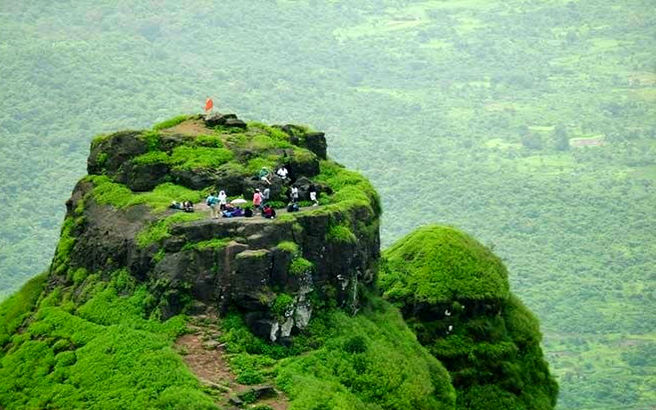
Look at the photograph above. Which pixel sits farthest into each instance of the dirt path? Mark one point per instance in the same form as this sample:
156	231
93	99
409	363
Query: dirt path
205	356
190	127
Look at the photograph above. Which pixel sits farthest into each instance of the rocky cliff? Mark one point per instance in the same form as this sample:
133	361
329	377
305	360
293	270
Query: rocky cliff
268	269
293	301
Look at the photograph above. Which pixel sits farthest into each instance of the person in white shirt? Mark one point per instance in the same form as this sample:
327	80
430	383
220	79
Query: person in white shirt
282	172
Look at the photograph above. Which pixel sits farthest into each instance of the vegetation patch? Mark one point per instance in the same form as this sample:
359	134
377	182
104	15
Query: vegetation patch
104	352
107	192
340	234
189	158
439	264
300	266
160	229
216	243
170	123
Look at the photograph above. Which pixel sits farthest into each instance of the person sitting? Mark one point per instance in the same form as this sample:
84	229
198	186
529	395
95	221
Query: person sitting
188	206
268	212
282	172
292	207
248	212
263	175
232	212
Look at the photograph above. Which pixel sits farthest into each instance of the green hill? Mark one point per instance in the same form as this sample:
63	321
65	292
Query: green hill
145	305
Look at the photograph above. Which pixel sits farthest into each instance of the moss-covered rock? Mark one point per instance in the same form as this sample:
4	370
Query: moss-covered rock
455	296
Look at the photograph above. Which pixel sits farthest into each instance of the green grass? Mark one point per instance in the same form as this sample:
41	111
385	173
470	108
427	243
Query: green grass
340	234
439	264
216	243
17	307
160	229
288	246
368	361
172	122
191	158
111	193
103	354
300	266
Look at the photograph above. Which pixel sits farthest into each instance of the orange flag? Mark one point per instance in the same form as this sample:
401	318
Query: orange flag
209	104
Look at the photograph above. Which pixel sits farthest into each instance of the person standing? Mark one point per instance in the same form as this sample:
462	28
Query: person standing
212	202
257	199
294	194
222	200
265	195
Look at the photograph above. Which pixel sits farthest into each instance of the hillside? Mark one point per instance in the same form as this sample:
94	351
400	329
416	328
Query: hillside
149	306
456	111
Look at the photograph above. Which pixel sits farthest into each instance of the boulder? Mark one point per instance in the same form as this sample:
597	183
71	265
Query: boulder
108	155
216	118
316	142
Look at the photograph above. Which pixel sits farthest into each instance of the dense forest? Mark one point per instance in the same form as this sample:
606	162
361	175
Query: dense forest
531	125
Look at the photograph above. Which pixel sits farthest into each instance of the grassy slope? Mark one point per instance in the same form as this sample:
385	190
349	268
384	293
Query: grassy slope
368	361
101	353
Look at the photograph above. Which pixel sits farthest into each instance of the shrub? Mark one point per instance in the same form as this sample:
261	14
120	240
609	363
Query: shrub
300	266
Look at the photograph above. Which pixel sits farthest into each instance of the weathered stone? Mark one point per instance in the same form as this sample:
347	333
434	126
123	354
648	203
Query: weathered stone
316	142
216	118
234	122
142	177
112	152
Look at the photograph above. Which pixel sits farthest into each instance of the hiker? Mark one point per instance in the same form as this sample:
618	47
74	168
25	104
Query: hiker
188	206
265	195
294	194
263	175
282	172
268	212
257	199
313	195
212	201
292	207
223	198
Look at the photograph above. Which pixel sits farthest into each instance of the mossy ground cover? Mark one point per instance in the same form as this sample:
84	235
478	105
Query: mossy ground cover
101	352
455	297
367	361
107	192
438	264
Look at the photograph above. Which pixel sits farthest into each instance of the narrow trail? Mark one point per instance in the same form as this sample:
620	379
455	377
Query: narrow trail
206	357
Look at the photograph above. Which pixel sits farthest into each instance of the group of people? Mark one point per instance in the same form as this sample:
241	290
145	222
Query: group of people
218	204
220	207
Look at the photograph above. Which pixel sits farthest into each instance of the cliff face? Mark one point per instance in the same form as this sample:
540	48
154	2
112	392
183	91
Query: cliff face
270	270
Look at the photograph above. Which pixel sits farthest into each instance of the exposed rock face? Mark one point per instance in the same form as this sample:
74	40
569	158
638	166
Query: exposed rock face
271	270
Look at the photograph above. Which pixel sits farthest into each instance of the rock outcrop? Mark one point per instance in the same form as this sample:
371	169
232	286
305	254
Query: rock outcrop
274	271
454	294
